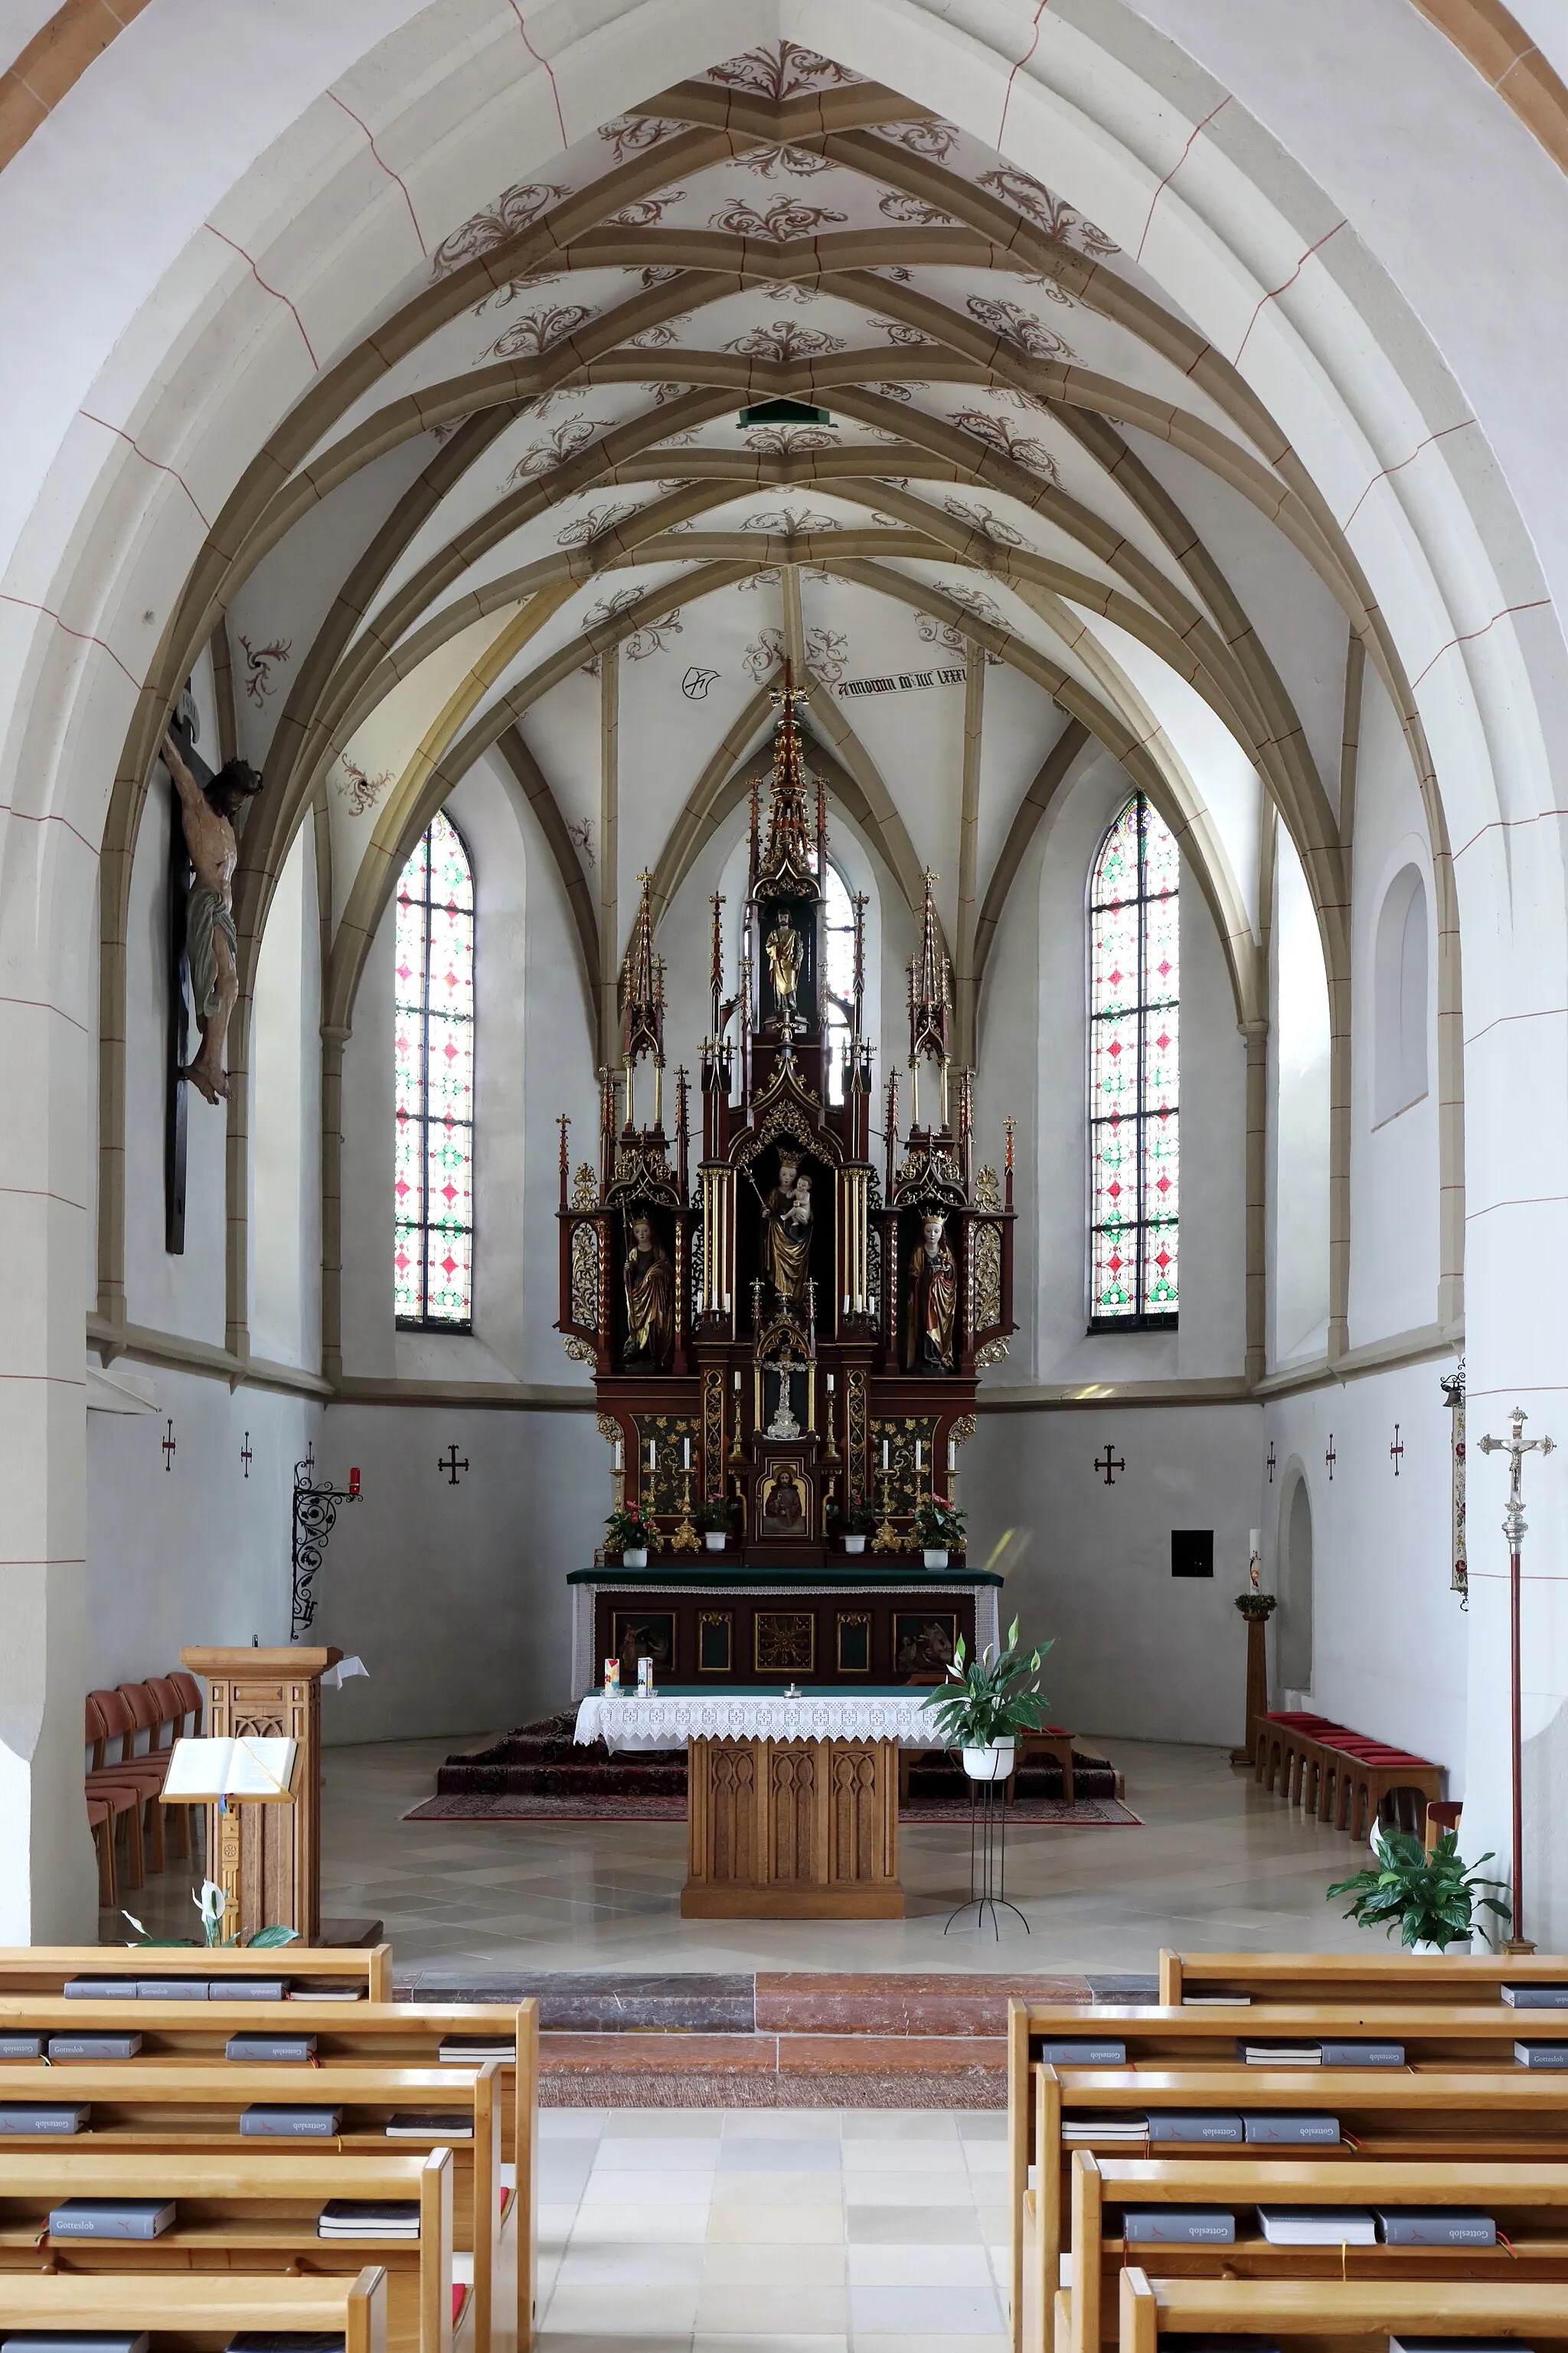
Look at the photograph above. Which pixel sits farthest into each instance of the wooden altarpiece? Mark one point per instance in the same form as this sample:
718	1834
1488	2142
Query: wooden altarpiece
796	1331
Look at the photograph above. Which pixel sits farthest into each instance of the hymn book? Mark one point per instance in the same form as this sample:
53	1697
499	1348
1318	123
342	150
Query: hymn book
249	1768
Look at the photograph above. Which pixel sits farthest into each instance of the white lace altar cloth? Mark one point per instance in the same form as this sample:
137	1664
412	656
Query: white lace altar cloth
670	1719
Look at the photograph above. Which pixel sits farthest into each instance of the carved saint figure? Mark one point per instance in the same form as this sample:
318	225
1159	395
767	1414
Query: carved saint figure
783	945
786	1231
649	1281
212	945
933	1294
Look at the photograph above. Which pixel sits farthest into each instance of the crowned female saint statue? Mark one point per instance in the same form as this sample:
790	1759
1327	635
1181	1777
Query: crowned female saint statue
786	1232
932	1278
649	1281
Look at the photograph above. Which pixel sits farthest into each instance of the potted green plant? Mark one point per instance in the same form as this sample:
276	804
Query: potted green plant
713	1519
939	1530
1431	1899
212	1906
855	1524
627	1532
987	1701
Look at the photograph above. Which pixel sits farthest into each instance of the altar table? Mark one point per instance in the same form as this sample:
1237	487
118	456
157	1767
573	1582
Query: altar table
792	1808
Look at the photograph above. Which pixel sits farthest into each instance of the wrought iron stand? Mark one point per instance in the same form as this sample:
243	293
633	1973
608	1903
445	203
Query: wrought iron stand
315	1516
988	1859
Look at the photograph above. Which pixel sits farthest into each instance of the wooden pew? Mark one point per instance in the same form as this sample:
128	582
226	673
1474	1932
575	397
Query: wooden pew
1361	1978
199	2314
1468	2116
1165	2040
373	2033
1528	2202
1330	2315
244	2216
44	1968
179	2108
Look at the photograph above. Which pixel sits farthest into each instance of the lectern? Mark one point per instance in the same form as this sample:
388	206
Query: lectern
272	1694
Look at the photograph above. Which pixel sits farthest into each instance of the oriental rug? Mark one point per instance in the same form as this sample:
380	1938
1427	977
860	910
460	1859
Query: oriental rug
652	1806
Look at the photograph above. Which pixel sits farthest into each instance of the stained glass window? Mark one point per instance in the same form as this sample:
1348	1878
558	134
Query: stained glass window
432	1055
1134	985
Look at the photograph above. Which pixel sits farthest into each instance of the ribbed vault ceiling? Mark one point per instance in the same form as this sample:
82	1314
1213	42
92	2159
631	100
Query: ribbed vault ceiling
535	459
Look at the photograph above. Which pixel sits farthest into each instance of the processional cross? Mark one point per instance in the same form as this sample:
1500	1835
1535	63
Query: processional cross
1516	1448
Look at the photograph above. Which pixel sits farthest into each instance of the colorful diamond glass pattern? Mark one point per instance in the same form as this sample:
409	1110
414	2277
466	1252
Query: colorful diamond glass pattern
1134	1070
433	1083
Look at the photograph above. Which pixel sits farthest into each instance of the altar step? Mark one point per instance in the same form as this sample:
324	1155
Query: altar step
769	2040
542	1761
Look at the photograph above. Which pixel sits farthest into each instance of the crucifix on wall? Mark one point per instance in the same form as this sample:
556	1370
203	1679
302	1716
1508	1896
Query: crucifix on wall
203	949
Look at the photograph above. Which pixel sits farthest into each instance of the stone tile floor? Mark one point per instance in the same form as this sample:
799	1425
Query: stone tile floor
814	2230
1218	1865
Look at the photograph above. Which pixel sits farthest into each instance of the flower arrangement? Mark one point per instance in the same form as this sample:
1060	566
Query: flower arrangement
211	1903
939	1525
713	1514
859	1520
1253	1604
991	1697
625	1530
1431	1899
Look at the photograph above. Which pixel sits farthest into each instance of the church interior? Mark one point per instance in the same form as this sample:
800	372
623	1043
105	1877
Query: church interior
784	948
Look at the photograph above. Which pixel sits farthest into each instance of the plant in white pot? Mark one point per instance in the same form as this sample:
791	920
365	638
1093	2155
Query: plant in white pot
713	1519
1432	1899
987	1701
854	1526
939	1530
627	1532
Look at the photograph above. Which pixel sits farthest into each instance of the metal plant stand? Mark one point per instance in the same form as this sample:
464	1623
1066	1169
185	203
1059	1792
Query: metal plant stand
988	1859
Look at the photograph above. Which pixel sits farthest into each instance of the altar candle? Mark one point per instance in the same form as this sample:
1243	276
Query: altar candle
953	1454
620	1459
686	1455
737	1385
652	1454
918	1454
884	1454
1255	1557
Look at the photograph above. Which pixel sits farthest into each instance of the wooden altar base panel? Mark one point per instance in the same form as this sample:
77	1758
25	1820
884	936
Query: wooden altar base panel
792	1830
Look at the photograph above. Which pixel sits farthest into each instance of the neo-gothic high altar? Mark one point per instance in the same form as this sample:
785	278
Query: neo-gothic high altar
794	1333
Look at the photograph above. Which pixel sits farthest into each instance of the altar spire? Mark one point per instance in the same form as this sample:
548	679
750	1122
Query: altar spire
788	866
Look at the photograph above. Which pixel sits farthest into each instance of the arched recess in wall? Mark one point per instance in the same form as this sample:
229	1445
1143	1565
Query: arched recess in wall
1293	1625
1400	958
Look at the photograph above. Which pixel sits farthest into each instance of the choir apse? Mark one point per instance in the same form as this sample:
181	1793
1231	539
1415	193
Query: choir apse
789	1327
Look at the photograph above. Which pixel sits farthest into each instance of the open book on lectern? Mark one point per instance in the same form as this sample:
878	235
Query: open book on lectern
248	1766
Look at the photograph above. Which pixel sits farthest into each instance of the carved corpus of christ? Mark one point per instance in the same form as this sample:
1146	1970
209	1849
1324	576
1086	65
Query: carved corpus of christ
212	945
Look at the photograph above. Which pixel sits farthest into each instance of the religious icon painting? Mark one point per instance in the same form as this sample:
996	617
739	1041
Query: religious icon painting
715	1642
923	1643
643	1634
785	1642
785	1511
854	1641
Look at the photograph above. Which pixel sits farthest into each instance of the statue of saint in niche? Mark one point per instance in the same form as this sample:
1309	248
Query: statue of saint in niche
649	1281
212	945
932	1279
782	945
786	1232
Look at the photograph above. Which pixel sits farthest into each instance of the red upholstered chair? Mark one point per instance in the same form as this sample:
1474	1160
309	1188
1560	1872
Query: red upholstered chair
170	1727
101	1823
190	1693
121	1793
